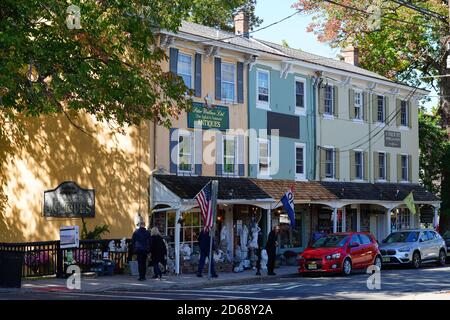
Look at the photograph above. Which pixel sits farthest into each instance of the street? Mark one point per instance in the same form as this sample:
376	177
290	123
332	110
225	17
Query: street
396	283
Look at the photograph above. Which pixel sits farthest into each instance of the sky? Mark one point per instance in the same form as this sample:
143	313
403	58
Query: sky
294	31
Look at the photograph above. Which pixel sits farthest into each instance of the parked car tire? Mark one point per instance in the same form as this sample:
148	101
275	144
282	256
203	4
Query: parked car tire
442	258
378	262
347	267
416	260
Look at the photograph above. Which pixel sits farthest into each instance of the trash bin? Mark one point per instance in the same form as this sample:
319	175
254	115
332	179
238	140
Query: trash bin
11	269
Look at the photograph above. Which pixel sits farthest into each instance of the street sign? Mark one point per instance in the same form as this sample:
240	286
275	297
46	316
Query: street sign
69	237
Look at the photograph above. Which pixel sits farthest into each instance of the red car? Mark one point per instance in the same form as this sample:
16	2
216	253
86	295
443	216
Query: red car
340	252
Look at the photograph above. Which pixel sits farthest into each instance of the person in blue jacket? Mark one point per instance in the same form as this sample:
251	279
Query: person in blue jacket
141	245
204	244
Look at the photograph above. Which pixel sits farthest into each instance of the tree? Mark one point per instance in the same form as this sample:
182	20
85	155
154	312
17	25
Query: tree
408	45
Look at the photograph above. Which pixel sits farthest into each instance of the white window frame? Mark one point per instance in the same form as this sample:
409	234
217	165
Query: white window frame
300	176
259	175
404	126
185	133
333	150
192	67
360	105
325	113
407	167
235	171
223	99
362	165
299	110
385	166
384	110
263	104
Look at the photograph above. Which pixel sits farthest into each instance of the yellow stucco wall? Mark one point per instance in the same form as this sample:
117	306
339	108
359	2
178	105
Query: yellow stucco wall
51	151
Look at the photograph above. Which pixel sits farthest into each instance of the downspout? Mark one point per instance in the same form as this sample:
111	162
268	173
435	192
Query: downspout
313	126
369	156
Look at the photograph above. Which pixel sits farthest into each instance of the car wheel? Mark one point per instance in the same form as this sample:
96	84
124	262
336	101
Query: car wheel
416	261
347	267
442	258
377	262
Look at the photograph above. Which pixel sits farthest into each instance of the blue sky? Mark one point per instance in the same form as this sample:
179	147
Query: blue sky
293	30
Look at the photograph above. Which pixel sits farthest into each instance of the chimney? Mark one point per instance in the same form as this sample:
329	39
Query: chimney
241	24
351	55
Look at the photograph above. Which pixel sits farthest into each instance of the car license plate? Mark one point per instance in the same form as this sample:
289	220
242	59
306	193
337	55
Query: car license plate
386	259
312	266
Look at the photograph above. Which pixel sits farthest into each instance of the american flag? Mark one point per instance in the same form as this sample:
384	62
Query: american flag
205	203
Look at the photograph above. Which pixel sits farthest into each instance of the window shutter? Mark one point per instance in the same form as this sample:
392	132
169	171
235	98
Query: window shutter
240	155
198	146
173	60
376	166
240	82
408	107
388	167
321	100
374	108
365	98
352	165
335	101
410	168
219	153
198	75
351	103
366	166
386	108
399	167
218	77
336	164
398	112
322	163
173	150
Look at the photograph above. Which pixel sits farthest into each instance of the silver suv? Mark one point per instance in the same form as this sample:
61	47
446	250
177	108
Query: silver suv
413	246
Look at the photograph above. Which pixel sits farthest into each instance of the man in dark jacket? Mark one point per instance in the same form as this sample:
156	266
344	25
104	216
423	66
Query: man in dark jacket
271	248
141	245
204	244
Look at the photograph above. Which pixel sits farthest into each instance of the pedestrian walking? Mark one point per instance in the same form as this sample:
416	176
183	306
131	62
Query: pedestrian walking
158	252
140	243
204	244
271	248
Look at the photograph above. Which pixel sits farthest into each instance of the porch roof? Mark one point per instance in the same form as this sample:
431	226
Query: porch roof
394	192
305	190
187	187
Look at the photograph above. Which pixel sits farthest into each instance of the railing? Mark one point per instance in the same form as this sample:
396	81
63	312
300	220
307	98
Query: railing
47	258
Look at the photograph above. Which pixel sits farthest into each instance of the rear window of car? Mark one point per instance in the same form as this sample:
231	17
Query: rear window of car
331	241
365	239
402	237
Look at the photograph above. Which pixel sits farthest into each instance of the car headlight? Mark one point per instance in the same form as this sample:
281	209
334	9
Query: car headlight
404	249
333	256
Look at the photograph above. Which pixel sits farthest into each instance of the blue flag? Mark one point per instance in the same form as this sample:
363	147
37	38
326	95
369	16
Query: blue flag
288	203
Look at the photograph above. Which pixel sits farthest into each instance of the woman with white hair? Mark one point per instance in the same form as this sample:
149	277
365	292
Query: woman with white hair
158	251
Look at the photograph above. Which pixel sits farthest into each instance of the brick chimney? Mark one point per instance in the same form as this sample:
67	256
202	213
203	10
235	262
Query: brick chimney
351	55
241	24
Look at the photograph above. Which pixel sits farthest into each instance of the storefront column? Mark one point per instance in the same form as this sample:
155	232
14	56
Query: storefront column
436	216
344	220
335	220
388	221
177	241
358	218
269	220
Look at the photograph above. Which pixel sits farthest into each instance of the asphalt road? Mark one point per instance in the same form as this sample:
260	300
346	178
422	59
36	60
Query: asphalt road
395	283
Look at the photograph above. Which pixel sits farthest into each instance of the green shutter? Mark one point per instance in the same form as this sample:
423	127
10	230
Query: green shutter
398	112
365	110
410	168
376	166
408	107
388	167
386	108
335	101
321	100
322	163
366	166
351	103
374	108
352	165
337	163
399	167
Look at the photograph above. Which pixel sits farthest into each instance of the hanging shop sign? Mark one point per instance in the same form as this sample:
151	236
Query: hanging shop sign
215	117
392	139
68	200
69	237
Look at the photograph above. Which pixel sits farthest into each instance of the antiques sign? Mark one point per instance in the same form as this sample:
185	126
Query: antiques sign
392	139
215	117
68	200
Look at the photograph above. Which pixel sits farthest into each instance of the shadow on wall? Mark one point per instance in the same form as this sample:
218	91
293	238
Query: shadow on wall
49	151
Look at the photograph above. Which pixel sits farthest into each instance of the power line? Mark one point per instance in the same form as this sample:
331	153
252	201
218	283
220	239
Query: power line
424	11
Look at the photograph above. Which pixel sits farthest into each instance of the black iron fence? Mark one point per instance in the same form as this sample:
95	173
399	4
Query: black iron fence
47	258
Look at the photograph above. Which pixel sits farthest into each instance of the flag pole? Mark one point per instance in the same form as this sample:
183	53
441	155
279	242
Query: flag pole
212	232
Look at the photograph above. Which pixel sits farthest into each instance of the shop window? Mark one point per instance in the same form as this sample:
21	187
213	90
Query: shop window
401	219
190	229
290	238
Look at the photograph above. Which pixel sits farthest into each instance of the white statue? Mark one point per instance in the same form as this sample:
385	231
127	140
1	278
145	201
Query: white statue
264	259
253	244
112	246
123	245
244	241
186	250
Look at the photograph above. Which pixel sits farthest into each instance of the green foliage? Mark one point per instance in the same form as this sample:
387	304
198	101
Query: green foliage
95	234
284	43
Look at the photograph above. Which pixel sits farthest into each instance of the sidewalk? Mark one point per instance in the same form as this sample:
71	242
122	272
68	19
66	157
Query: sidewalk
130	283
